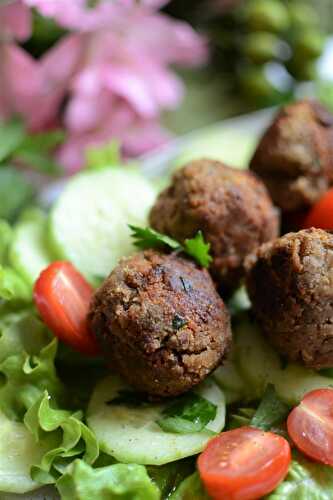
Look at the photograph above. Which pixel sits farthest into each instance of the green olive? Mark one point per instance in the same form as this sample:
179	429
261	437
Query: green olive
301	70
303	15
261	47
254	83
267	15
309	44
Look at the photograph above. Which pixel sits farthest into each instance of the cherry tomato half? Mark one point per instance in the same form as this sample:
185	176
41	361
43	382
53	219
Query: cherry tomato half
310	425
244	464
62	296
321	214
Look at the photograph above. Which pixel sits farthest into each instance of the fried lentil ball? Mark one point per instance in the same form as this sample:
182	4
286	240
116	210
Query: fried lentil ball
161	323
290	284
231	207
295	155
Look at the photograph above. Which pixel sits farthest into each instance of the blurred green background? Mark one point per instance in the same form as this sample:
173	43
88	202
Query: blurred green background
264	53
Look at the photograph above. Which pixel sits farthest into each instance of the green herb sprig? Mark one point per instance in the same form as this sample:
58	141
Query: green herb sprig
189	413
196	247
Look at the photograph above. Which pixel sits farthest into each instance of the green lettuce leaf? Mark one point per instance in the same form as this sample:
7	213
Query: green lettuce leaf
119	481
15	192
169	476
12	134
271	410
29	385
18	451
74	439
12	286
36	150
190	489
27	353
306	480
6	236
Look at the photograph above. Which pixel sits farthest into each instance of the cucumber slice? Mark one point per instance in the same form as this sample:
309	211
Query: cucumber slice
131	435
257	361
28	252
18	452
230	380
234	147
295	381
260	364
89	223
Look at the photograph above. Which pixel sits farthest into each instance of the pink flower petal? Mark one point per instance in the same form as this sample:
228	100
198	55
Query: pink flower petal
144	137
127	83
15	21
34	88
85	113
88	81
60	63
21	81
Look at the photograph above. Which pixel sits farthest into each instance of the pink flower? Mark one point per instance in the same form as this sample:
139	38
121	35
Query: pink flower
35	89
136	136
114	70
15	21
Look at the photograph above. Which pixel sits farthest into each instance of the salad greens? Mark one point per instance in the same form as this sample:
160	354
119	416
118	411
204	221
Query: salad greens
189	413
62	423
195	247
12	135
306	480
32	150
18	148
15	192
271	410
190	489
118	481
71	439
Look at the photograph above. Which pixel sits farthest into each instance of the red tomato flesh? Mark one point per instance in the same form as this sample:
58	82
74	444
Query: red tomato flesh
321	215
62	296
310	425
244	464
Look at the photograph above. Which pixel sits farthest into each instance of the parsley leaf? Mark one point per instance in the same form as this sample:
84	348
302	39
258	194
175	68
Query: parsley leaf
149	238
178	322
187	414
271	411
195	247
198	249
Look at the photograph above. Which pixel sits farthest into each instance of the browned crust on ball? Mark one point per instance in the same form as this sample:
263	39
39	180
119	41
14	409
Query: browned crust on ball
295	155
231	207
161	323
290	283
